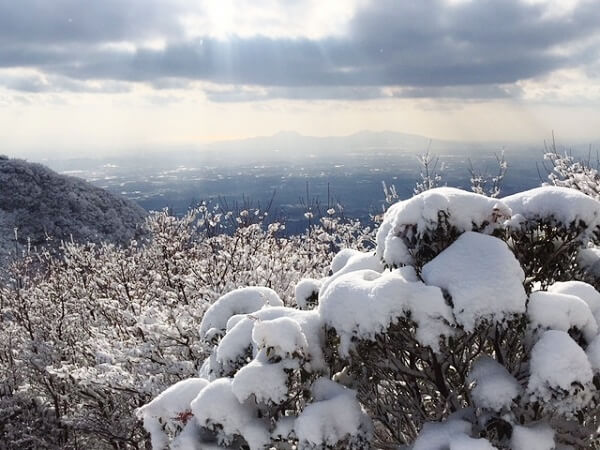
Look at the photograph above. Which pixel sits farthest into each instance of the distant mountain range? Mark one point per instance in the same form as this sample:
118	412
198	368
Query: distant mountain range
46	208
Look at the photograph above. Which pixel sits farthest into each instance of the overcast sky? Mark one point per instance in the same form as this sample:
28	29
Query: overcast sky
106	75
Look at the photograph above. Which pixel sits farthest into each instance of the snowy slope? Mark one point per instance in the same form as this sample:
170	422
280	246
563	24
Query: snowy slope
42	204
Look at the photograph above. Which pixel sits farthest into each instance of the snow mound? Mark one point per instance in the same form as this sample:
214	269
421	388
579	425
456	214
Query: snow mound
584	291
334	415
217	407
233	348
265	380
593	353
280	337
167	407
240	301
364	303
494	388
537	437
357	261
482	276
563	204
410	219
560	371
589	260
307	292
439	436
555	311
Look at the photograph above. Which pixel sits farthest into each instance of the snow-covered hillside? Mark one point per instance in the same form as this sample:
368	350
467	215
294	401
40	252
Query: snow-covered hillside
46	207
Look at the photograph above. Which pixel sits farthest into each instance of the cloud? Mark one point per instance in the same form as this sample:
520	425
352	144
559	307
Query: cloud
427	48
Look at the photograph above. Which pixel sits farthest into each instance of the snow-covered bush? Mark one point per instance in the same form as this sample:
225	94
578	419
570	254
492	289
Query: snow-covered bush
89	336
465	328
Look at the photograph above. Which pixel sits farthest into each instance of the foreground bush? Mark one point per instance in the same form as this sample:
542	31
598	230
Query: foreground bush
88	337
465	328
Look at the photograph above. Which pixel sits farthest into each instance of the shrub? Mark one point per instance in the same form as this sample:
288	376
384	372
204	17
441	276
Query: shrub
466	328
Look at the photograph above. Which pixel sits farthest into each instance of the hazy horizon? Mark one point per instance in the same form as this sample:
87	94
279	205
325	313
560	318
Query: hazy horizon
111	76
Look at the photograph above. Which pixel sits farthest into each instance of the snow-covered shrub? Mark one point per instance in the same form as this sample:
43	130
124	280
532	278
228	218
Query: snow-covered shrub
456	332
89	336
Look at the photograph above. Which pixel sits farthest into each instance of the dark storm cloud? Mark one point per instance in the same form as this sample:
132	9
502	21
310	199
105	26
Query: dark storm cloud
428	47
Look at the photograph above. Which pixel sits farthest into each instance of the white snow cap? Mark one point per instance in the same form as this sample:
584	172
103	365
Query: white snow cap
494	388
483	277
555	311
443	435
584	291
364	303
334	415
240	301
593	353
167	407
559	365
216	405
537	437
306	288
357	261
238	338
282	336
266	381
465	210
564	204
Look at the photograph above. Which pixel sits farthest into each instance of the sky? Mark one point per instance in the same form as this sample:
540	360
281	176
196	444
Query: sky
100	76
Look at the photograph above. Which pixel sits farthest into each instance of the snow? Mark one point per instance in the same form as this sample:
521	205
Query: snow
358	261
589	260
536	437
305	289
439	435
238	339
559	365
342	257
482	276
495	388
281	337
334	414
167	406
217	405
584	291
414	217
593	353
240	301
266	381
284	427
556	311
464	442
364	303
564	204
